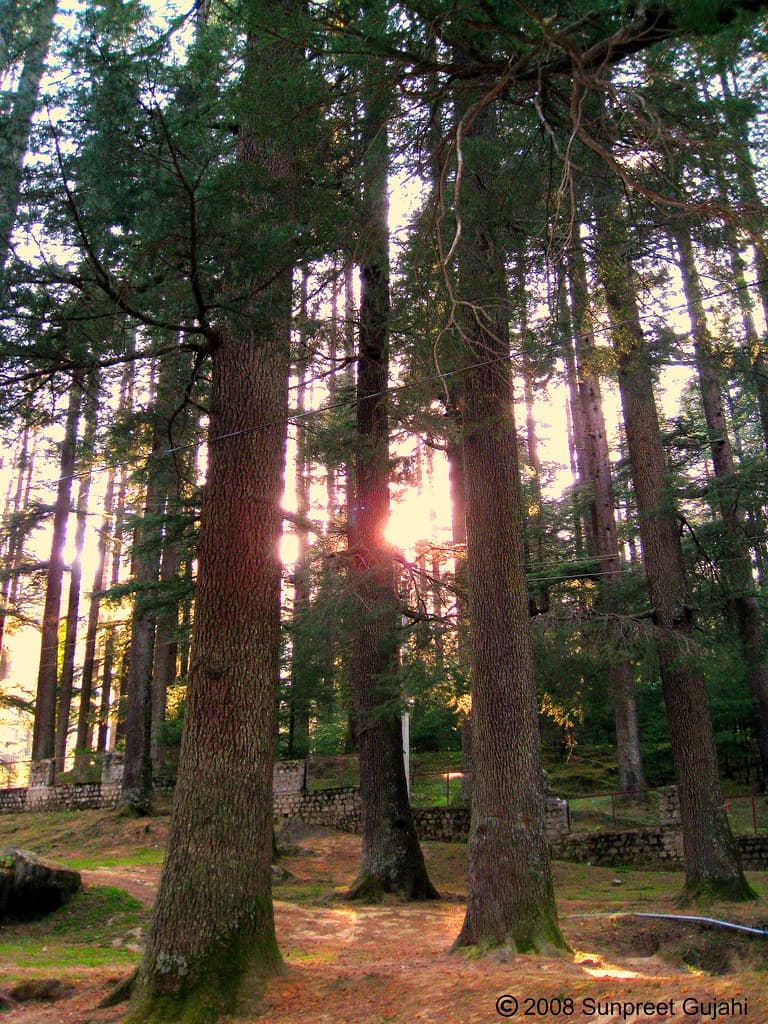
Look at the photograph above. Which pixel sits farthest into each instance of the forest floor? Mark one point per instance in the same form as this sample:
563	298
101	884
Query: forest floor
387	964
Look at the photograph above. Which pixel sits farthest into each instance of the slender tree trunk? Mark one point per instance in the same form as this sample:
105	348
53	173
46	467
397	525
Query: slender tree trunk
15	542
577	431
165	653
603	533
750	197
736	562
753	510
145	706
711	859
105	736
457	491
298	732
185	646
433	564
510	894
14	141
180	425
105	700
136	792
392	860
85	714
335	343
350	375
44	733
110	642
539	596
67	676
533	538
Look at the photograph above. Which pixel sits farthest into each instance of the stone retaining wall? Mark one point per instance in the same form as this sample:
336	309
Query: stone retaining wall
340	808
289	777
83	796
13	800
334	808
660	848
754	852
648	848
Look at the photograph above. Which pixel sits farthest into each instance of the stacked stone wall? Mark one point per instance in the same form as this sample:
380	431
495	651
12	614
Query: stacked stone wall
289	777
340	808
660	848
13	800
648	848
334	808
83	796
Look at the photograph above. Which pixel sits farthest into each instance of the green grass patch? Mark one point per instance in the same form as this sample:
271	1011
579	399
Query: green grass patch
131	858
92	930
315	893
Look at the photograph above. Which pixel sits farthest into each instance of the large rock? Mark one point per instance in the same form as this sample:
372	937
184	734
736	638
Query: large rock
29	888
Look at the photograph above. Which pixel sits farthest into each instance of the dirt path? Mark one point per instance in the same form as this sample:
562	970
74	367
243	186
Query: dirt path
390	964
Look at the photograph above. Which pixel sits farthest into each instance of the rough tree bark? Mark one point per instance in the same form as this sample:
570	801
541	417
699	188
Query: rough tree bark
212	940
510	894
202	947
392	860
712	866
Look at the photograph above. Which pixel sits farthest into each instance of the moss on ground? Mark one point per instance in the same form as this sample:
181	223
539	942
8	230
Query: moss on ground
100	926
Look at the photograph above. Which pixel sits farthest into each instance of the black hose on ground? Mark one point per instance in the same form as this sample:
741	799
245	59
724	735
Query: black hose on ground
763	932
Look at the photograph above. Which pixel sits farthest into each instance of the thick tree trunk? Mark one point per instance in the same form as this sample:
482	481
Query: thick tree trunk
736	562
510	894
711	859
44	733
213	922
603	534
212	939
